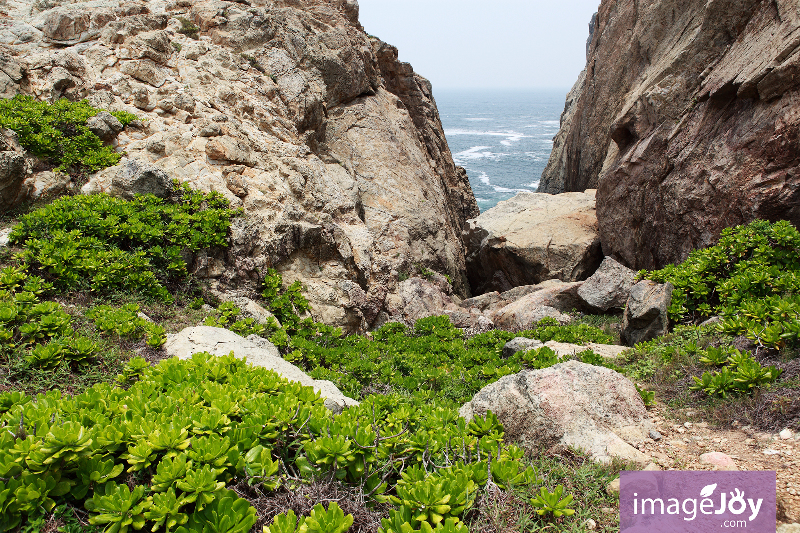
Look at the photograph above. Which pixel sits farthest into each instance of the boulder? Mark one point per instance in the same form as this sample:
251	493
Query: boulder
550	301
645	316
532	238
134	176
13	171
572	405
220	342
609	287
520	344
418	298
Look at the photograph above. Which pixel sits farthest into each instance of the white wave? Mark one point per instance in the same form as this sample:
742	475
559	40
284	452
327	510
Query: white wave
550	122
533	185
481	199
477	119
497	188
484	178
485	133
475	153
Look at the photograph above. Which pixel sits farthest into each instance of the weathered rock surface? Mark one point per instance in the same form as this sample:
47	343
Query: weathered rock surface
570	404
532	238
645	316
686	124
220	342
332	146
133	176
609	287
14	168
520	344
551	301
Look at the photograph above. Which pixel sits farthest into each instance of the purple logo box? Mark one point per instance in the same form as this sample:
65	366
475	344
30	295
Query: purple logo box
697	502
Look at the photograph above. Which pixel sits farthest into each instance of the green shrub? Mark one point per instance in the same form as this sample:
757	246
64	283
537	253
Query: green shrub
751	277
164	452
106	244
58	132
741	373
125	322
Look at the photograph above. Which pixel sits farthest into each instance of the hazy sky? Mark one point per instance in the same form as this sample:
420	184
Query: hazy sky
486	43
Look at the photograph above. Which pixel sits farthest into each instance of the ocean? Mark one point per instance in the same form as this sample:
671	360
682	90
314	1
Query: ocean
502	138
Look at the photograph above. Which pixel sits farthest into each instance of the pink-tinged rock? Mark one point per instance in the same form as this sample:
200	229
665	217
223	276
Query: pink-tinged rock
570	404
719	461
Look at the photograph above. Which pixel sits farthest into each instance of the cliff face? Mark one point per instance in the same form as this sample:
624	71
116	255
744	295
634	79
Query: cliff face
688	121
332	146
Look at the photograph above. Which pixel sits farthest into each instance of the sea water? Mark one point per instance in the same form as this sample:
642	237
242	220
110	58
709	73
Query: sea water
502	138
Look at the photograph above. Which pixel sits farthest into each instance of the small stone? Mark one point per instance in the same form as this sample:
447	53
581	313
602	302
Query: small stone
677	443
590	524
719	461
786	434
680	430
687	425
144	317
156	147
651	467
612	489
770	451
655	435
4	234
607	510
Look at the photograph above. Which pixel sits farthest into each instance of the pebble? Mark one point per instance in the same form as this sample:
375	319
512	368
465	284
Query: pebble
719	461
655	435
786	434
612	489
607	510
770	451
4	236
590	524
678	443
688	425
680	430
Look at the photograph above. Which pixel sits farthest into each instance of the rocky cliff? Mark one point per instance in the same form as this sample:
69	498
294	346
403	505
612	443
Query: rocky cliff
331	145
687	121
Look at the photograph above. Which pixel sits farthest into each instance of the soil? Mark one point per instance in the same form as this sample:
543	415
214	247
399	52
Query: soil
683	441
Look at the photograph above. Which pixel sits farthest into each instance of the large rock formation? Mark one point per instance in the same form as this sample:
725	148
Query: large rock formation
332	146
531	238
686	122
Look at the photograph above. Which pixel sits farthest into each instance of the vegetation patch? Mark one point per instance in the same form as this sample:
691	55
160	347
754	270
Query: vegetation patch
58	132
102	244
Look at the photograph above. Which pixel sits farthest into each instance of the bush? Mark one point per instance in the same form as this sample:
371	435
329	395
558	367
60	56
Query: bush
751	277
106	244
58	132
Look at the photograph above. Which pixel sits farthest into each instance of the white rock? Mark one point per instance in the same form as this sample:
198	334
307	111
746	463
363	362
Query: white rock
786	434
220	342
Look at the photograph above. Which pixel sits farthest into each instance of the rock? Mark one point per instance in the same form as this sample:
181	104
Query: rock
520	344
531	238
550	302
651	467
104	125
134	176
590	524
609	287
786	434
690	140
607	351
655	435
418	298
645	316
471	320
612	489
483	302
227	148
4	236
220	342
788	528
569	404
719	461
711	321
347	179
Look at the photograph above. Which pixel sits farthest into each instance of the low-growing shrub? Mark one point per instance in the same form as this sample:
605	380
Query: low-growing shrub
125	322
165	453
751	277
106	244
58	132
